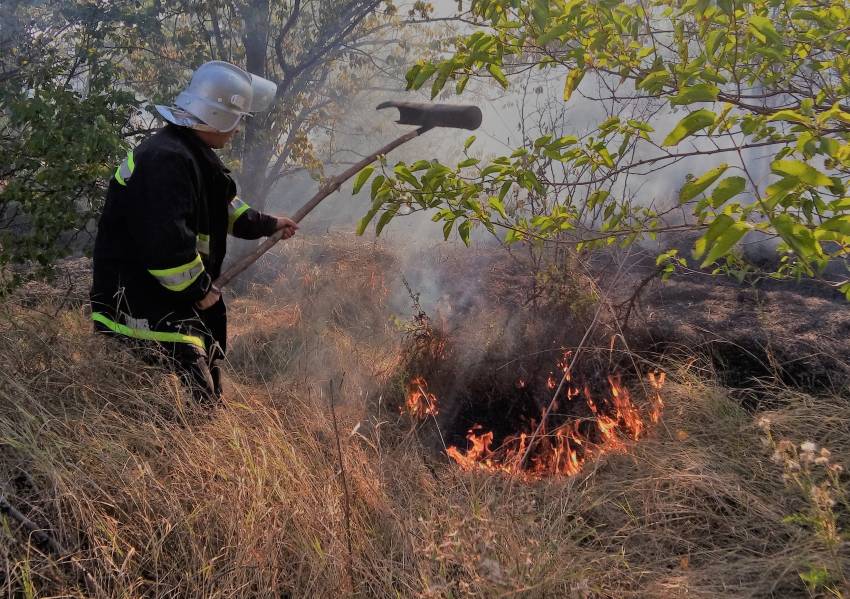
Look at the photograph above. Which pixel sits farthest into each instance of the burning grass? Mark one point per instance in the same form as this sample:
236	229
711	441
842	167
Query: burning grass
157	499
554	435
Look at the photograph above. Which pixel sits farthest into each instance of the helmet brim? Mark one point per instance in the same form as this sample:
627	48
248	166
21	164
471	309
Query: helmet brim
185	120
263	93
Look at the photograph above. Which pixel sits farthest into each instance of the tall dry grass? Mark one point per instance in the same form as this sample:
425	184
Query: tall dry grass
158	499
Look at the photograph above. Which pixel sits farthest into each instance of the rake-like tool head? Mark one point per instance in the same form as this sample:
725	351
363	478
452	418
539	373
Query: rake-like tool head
436	115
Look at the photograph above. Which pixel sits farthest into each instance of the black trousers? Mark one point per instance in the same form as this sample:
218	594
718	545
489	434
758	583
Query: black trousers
198	368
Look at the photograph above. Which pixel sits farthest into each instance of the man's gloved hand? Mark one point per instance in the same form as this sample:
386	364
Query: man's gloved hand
288	226
210	299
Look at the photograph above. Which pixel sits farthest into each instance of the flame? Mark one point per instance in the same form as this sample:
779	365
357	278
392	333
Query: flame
656	381
420	403
614	421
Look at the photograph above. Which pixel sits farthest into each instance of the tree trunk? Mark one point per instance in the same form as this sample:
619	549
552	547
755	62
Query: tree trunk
257	149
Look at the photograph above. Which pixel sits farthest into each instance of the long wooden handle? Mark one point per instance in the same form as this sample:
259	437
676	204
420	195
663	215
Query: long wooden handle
330	186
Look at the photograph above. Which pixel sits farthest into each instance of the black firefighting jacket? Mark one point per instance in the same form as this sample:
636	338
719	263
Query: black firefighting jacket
162	237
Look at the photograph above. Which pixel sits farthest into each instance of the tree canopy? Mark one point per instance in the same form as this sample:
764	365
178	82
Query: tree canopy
78	80
724	80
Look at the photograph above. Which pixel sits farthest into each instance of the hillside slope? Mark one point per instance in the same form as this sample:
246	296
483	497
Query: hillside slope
154	498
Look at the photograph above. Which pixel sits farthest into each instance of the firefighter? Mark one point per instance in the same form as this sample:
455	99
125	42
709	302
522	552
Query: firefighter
162	237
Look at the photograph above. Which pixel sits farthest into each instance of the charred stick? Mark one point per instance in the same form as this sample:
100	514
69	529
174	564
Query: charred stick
346	504
632	301
46	540
40	535
327	189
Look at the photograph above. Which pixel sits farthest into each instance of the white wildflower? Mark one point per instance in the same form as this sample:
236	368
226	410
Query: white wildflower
808	446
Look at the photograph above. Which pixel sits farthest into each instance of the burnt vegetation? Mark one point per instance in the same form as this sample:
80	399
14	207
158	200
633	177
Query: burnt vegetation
623	380
152	497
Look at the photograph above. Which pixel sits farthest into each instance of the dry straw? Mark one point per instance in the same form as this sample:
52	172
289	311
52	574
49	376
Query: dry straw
155	499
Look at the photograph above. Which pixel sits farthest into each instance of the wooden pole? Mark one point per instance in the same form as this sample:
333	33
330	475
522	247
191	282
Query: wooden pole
330	187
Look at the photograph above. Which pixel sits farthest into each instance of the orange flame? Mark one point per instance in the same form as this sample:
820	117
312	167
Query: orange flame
420	403
615	421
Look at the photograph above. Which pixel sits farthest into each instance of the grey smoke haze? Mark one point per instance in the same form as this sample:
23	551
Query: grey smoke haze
532	99
531	107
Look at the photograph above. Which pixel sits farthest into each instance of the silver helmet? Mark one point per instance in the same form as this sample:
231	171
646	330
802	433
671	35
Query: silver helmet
218	96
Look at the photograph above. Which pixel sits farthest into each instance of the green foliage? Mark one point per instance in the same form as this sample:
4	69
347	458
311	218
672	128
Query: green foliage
74	75
61	124
753	75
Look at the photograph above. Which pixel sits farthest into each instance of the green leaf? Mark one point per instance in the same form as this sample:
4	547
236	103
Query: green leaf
654	80
723	233
702	92
728	188
571	82
802	171
714	40
838	224
840	204
447	229
554	32
799	238
469	141
815	577
693	188
423	75
439	84
762	28
361	179
405	175
461	84
498	75
497	205
376	185
597	197
503	191
385	219
364	222
463	230
777	191
695	121
540	12
791	116
411	74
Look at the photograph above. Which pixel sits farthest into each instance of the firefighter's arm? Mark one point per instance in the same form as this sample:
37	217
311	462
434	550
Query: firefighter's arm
246	223
161	212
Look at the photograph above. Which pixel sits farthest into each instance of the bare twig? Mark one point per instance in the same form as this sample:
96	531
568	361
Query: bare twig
41	536
46	540
345	494
630	303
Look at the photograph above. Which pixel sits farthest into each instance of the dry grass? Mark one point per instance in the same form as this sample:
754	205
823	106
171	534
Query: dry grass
159	500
